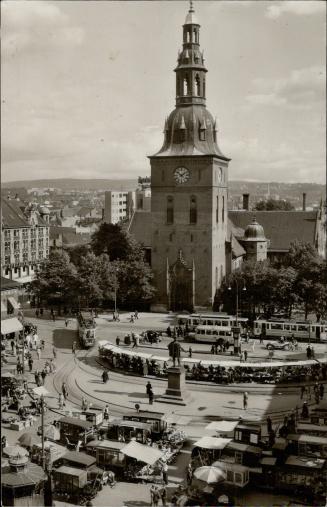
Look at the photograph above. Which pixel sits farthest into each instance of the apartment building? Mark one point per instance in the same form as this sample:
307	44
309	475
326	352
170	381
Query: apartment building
118	206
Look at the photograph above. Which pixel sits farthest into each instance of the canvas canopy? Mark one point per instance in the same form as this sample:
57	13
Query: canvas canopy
222	426
212	442
10	326
142	453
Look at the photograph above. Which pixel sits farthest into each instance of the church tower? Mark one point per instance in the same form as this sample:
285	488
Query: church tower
189	184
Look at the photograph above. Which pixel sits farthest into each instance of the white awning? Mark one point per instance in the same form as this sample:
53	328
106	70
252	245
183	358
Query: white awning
212	443
13	302
10	326
222	426
3	307
142	452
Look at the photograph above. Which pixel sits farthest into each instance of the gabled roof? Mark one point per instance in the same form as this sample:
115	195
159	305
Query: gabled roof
280	227
12	214
140	227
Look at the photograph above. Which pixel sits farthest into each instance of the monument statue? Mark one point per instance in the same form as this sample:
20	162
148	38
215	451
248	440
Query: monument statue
175	349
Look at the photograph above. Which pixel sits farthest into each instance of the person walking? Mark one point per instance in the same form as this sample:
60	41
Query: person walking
36	377
136	314
269	425
105	376
64	390
66	322
261	339
12	344
151	396
163	494
165	473
54	352
43	375
117	341
245	355
37	313
308	352
39	379
106	413
245	400
154	492
190	352
74	347
61	401
30	363
38	351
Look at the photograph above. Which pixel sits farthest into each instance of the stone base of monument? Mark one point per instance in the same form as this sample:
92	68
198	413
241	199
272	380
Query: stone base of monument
176	392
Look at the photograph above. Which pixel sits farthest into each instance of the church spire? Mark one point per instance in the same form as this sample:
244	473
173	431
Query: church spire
190	71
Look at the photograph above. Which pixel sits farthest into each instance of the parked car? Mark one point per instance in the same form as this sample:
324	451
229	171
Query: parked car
278	346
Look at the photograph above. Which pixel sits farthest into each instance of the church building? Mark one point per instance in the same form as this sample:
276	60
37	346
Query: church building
189	184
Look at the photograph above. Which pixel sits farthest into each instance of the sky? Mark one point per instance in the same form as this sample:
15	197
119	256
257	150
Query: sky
86	86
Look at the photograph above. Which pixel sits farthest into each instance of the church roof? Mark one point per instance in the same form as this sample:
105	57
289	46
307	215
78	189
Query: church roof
140	227
192	118
280	227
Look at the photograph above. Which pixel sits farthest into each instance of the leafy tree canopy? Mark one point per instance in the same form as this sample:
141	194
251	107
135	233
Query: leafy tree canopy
273	205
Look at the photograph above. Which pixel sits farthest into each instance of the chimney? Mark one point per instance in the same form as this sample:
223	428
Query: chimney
304	201
246	199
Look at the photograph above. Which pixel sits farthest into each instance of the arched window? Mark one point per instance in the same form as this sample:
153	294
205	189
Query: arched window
197	86
193	210
194	35
188	36
186	86
217	209
170	209
223	210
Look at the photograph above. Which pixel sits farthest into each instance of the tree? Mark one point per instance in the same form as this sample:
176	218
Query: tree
134	283
55	280
273	205
113	240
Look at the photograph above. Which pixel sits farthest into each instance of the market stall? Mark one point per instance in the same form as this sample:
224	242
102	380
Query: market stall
143	463
53	453
207	450
155	419
74	430
108	455
126	430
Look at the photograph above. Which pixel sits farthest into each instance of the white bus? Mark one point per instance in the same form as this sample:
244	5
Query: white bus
211	319
212	334
302	331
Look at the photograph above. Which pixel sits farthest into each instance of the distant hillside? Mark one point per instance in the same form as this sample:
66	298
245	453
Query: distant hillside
74	184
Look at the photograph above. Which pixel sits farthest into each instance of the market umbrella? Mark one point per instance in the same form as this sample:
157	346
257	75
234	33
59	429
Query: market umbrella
51	432
30	475
15	450
28	439
209	474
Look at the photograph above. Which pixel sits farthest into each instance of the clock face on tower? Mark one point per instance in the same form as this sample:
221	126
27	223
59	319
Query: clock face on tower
220	174
181	175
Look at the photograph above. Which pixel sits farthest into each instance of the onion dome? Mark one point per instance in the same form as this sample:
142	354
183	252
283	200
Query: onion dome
254	232
44	210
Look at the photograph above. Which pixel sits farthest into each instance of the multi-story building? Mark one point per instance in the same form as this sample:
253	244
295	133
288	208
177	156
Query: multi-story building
24	239
118	206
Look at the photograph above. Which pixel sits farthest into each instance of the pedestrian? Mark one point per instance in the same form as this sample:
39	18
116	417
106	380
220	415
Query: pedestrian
261	338
105	376
134	340
151	396
163	494
168	332
30	363
245	400
39	380
12	344
190	352
74	347
212	351
54	352
253	345
302	392
61	401
66	322
37	313
43	375
64	390
117	341
269	425
106	413
132	318
42	344
136	314
36	376
305	411
165	473
312	353
154	492
247	337
148	388
41	312
38	351
84	404
321	390
245	355
308	352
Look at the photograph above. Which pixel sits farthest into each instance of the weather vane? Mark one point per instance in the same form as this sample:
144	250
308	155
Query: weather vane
191	6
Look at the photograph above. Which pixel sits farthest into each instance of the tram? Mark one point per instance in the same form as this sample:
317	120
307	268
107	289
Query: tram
301	330
86	329
213	334
194	320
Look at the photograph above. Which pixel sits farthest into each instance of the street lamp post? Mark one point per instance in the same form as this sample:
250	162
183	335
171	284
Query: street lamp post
236	329
42	430
116	284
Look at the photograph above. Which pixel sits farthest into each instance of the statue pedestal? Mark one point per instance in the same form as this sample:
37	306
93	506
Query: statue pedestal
176	392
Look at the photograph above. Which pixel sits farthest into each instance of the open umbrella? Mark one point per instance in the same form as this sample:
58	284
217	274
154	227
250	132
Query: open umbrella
15	450
28	439
51	432
209	475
